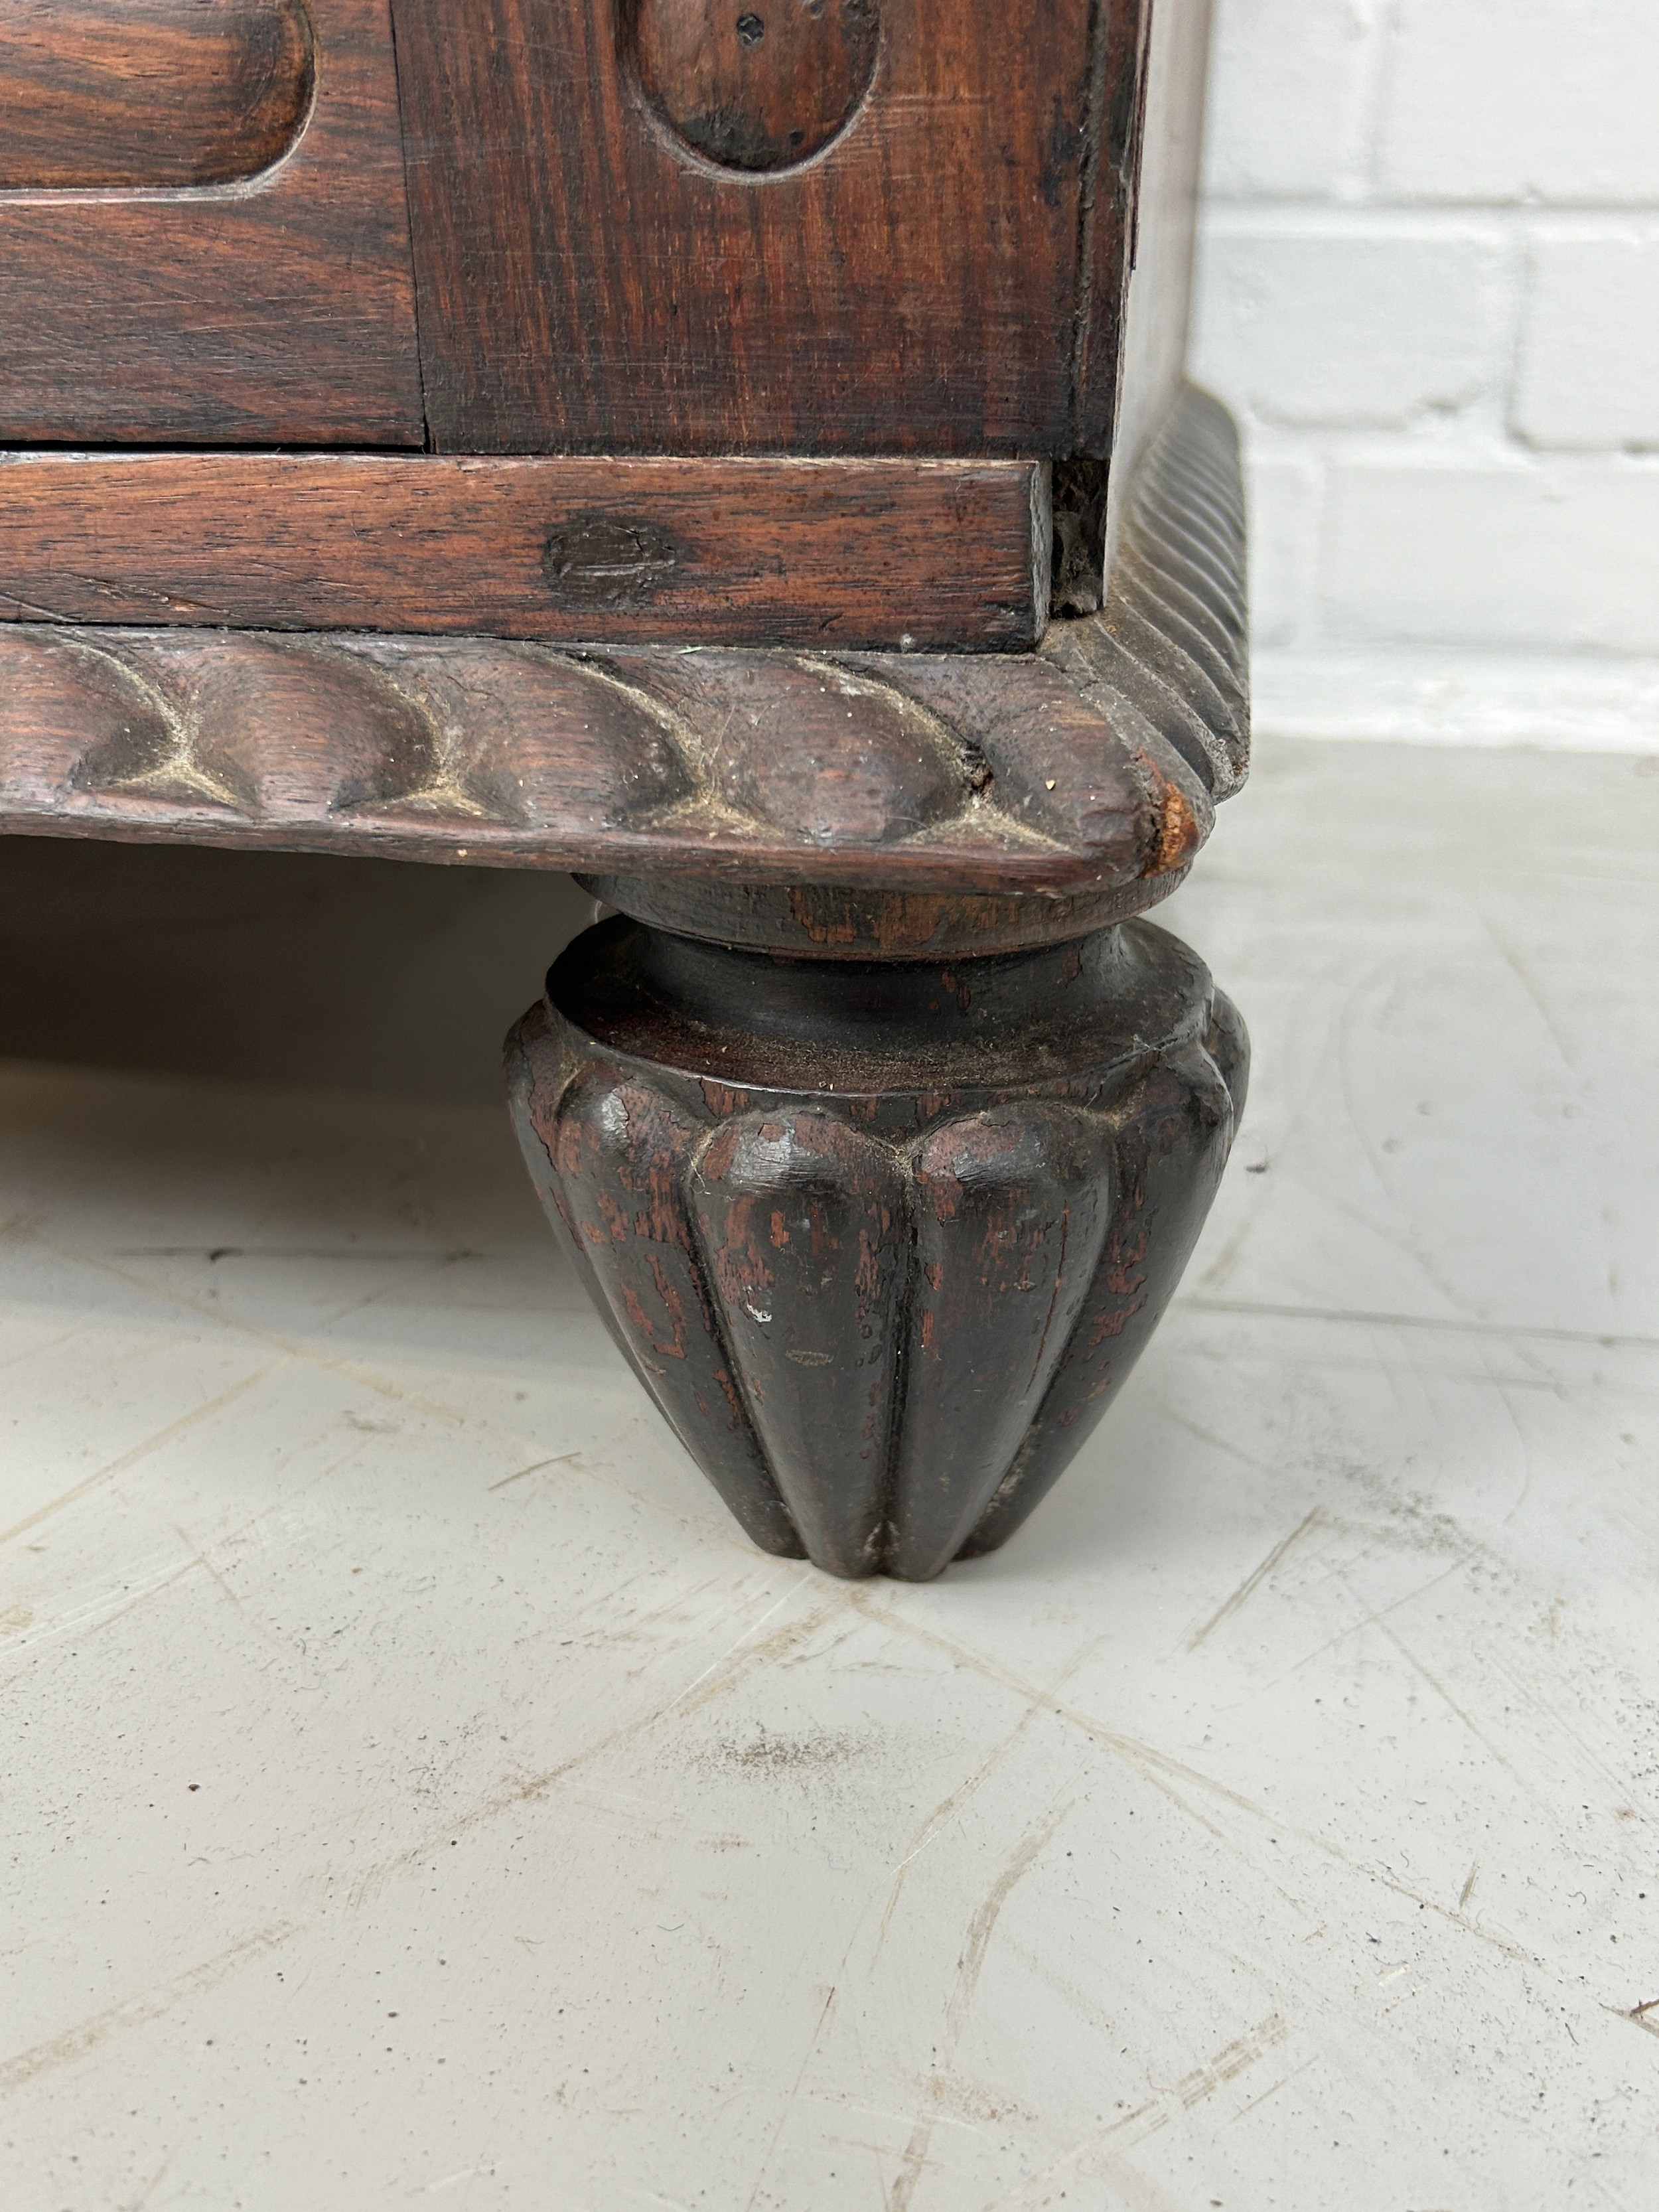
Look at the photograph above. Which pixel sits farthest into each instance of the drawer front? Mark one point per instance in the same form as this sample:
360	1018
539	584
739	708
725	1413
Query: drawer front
826	555
809	225
203	231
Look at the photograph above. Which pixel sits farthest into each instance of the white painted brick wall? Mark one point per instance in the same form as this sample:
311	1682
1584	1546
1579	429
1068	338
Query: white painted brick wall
1588	376
1429	286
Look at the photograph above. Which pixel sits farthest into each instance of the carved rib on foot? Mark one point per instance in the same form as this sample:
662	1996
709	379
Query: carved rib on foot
882	1240
861	612
882	1132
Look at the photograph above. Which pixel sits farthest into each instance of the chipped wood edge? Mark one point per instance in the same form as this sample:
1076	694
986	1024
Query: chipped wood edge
1095	761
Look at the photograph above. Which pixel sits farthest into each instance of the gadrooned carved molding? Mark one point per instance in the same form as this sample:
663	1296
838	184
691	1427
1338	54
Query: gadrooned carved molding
1172	643
882	1310
1095	760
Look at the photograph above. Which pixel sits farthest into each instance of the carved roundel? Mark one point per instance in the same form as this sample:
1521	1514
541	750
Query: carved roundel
755	85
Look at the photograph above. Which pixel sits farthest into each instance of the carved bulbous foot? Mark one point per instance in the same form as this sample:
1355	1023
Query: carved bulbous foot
881	1238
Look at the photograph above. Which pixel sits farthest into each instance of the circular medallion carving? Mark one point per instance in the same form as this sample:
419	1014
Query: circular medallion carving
755	85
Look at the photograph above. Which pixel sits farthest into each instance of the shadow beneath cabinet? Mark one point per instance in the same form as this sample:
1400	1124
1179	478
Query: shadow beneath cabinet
290	969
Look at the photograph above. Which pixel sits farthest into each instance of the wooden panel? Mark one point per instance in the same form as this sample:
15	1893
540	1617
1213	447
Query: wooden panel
610	255
1089	764
814	553
1110	232
276	311
751	91
149	92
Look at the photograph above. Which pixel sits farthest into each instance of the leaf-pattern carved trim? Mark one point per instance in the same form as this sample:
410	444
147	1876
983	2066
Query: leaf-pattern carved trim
1094	761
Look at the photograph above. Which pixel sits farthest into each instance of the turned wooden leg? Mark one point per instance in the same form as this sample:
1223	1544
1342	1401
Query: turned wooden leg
882	1236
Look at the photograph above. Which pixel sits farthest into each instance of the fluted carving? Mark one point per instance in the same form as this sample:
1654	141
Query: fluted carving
802	1222
882	1243
884	1223
1170	651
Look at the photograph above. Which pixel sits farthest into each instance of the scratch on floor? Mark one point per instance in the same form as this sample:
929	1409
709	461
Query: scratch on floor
856	2104
955	1799
1468	1721
741	1657
1201	2084
1344	1317
448	2180
1163	1771
382	1385
1254	1580
200	1559
1085	2003
564	1459
912	2166
1284	2083
1376	1614
140	1451
943	1810
527	1790
1522	970
982	1926
42	1346
1102	2151
137	2203
969	1963
75	2042
98	1613
1617	1784
1218	1442
790	2101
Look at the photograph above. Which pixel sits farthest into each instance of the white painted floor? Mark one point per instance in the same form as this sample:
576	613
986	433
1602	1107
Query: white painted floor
415	1791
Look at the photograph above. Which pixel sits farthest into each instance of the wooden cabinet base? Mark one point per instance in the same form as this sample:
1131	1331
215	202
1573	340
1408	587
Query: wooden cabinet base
1090	764
881	1238
742	454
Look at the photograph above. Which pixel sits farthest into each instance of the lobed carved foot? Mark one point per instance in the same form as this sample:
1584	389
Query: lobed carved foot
881	1238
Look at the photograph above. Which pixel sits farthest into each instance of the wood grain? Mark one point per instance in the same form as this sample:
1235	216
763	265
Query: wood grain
771	768
841	922
590	282
1108	230
1090	767
753	88
828	554
275	311
148	92
883	1243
